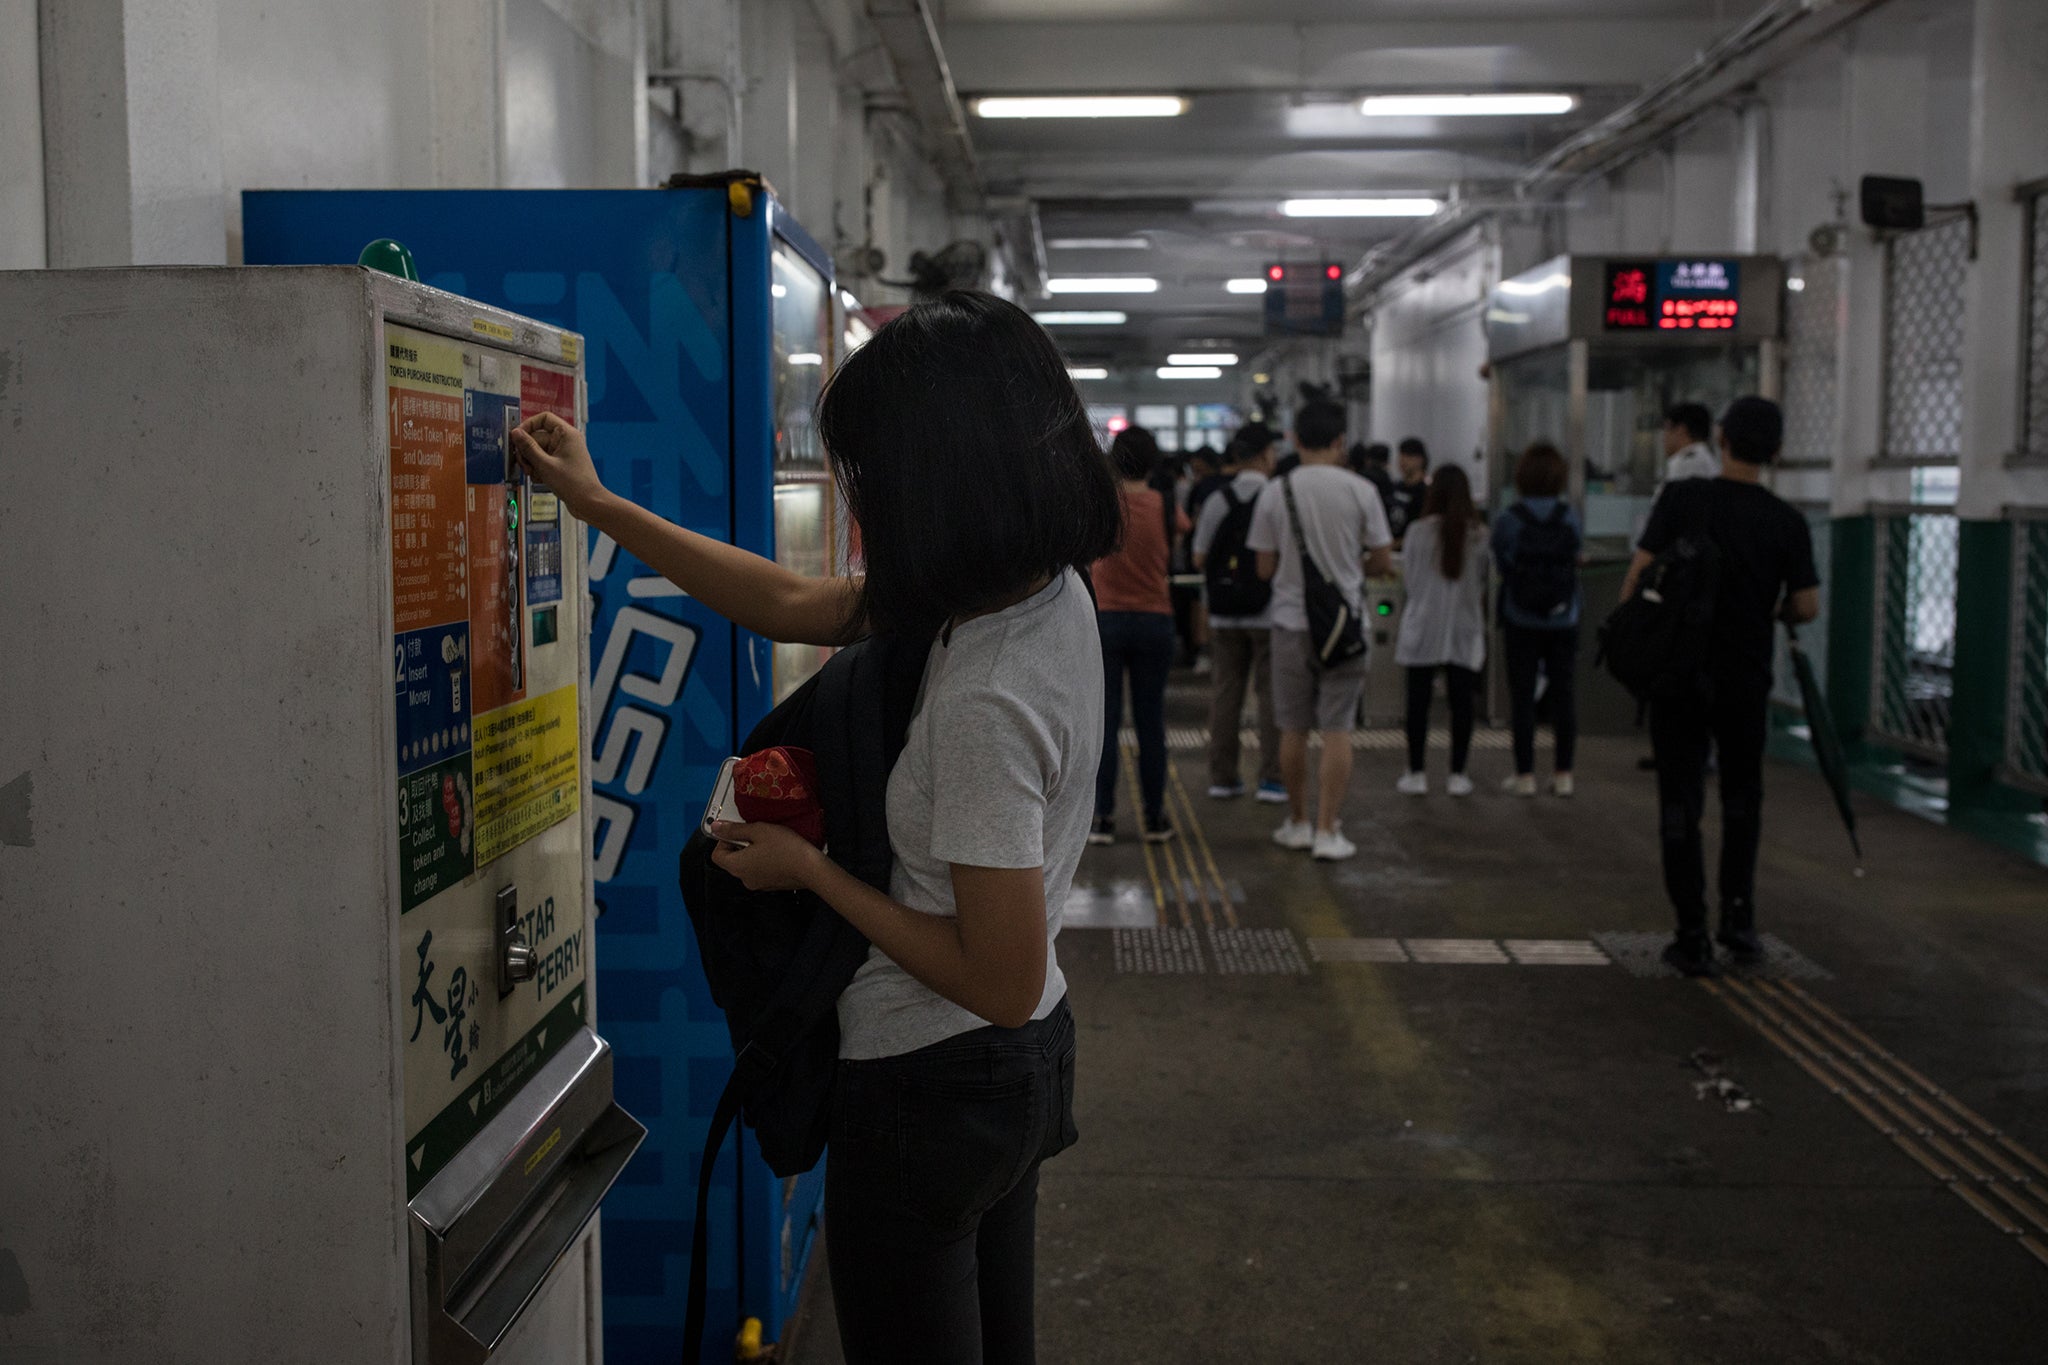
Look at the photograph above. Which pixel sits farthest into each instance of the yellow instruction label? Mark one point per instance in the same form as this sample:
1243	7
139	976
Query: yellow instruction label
484	327
525	770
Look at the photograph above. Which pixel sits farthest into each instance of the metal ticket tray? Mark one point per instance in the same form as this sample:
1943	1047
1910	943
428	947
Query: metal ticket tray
491	1227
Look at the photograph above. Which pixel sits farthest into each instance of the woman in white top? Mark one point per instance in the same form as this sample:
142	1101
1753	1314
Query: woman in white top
967	459
1443	625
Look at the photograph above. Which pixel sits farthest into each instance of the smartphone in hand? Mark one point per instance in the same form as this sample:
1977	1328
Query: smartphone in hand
722	806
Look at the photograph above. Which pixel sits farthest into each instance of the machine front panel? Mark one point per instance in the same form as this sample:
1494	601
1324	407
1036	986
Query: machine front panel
487	730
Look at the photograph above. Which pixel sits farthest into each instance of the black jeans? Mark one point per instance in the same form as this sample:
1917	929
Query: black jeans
1557	652
1735	718
1139	643
931	1193
1458	685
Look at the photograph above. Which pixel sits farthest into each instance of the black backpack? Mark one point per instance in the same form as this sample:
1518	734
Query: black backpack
1230	570
776	961
1545	579
1657	643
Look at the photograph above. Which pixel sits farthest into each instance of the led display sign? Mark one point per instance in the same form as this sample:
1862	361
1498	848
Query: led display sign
1672	295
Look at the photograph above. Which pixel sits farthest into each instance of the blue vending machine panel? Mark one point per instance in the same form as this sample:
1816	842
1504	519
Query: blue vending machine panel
671	290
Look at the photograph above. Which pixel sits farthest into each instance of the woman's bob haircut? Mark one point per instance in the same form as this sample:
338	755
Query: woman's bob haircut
967	460
1541	472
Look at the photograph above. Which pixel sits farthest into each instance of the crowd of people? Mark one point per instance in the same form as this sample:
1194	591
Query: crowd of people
1268	532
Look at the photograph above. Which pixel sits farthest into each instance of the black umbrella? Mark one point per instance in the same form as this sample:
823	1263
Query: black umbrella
1827	744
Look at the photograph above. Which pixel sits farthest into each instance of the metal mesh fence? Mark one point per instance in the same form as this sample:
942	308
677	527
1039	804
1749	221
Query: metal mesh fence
2026	728
1812	333
1923	342
1913	677
1813	636
2035	435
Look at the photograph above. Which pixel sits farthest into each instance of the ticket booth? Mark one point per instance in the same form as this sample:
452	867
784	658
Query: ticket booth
1588	352
712	322
295	832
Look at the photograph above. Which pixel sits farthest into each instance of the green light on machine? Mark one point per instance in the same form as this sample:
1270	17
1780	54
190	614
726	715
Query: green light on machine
1383	608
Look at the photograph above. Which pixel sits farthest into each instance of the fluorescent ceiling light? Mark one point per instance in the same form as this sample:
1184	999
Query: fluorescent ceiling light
1359	208
1088	372
1248	286
1103	319
807	358
1114	284
1531	288
1203	358
1100	244
1463	106
1081	106
1189	372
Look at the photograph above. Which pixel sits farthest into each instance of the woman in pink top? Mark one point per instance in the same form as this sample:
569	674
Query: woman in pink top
1134	612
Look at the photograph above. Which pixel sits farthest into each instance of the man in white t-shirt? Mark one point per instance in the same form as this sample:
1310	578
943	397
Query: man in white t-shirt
1345	526
1688	444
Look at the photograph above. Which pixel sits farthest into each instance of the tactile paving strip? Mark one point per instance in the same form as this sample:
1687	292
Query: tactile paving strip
1641	954
1555	952
1357	950
1390	740
1256	952
1169	951
1464	951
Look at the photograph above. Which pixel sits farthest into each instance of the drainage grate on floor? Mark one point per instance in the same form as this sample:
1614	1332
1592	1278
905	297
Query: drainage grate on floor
1641	954
1173	951
1470	951
1357	950
1256	952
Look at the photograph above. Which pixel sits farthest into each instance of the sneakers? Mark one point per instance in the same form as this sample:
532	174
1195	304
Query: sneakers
1521	784
1225	791
1459	785
1413	784
1331	846
1743	945
1157	833
1692	955
1561	785
1103	831
1298	835
1272	793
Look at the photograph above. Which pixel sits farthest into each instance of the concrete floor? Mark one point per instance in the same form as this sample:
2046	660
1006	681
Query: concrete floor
1408	1162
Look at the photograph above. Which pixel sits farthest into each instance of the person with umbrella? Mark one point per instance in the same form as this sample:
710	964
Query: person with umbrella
1765	574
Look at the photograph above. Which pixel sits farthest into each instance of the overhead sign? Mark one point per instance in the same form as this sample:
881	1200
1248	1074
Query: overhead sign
1674	294
1305	300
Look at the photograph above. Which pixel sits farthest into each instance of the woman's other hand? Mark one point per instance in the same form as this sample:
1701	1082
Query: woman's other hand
776	858
554	453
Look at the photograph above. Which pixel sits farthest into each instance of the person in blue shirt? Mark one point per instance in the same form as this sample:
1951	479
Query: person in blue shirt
1536	545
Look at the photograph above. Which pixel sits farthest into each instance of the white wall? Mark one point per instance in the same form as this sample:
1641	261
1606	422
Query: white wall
1428	344
21	139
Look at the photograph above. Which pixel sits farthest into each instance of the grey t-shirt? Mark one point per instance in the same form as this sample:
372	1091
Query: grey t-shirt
1341	518
998	770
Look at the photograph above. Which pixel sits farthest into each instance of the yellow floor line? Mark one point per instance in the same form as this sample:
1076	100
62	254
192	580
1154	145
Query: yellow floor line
1202	839
1130	763
1918	1116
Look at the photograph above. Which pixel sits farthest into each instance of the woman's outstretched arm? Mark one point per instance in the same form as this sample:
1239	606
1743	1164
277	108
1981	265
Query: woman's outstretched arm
739	585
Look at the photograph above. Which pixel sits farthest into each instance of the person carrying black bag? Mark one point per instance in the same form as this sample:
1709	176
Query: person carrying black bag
956	1057
1316	533
1762	572
1536	545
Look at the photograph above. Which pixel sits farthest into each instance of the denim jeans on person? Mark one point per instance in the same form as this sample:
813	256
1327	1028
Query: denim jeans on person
931	1193
1735	719
1140	644
1459	685
1556	652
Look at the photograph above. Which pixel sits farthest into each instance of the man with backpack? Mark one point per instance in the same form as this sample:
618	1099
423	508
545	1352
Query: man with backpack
1536	544
1316	532
1722	561
1240	622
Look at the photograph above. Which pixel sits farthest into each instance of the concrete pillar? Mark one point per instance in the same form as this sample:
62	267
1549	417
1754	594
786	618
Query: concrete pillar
131	132
814	130
21	139
1752	129
451	101
768	92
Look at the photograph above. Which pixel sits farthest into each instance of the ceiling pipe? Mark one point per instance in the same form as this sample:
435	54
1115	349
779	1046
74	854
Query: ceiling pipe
1764	42
912	41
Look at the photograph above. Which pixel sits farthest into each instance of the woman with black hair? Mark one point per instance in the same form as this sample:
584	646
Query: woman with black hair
1134	613
1443	622
967	460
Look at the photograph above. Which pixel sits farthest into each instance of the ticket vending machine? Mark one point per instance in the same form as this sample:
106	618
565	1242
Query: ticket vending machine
712	323
294	829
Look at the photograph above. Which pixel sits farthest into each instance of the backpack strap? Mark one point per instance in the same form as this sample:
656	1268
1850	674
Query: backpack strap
700	1237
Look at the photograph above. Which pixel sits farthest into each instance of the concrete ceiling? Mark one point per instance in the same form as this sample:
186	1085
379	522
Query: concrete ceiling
1273	88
